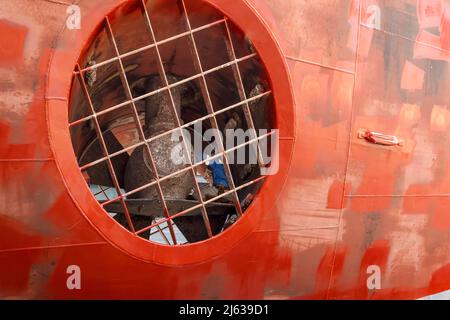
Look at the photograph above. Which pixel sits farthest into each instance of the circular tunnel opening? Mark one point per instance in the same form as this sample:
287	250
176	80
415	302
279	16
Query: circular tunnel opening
171	117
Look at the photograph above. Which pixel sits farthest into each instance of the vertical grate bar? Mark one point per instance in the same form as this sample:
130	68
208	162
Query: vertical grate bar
242	93
183	213
161	232
184	126
137	121
210	108
178	123
144	48
99	134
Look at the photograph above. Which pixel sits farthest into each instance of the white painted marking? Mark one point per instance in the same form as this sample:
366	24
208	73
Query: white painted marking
445	295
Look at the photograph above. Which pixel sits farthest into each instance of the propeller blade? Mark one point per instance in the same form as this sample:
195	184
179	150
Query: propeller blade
99	174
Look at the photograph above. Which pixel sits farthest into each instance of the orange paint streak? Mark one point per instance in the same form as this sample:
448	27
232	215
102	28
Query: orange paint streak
12	43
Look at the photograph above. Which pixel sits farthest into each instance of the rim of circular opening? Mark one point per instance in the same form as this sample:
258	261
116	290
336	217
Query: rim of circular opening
71	44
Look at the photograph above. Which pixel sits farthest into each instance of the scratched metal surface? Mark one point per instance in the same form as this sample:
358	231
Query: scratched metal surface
346	204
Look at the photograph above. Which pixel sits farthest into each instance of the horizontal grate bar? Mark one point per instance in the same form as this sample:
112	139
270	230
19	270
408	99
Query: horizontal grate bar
163	89
153	45
217	156
209	116
248	184
138	124
105	151
166	88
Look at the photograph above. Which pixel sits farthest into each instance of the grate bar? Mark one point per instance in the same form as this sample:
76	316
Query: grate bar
138	124
153	45
210	108
163	235
248	184
157	231
200	76
99	134
209	116
242	94
187	168
163	228
178	123
160	90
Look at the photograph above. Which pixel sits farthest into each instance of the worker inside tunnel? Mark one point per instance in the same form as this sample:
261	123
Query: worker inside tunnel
147	91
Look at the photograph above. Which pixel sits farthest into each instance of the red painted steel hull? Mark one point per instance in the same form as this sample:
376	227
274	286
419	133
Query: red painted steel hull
338	205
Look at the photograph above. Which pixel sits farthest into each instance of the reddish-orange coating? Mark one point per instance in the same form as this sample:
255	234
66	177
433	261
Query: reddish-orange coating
338	205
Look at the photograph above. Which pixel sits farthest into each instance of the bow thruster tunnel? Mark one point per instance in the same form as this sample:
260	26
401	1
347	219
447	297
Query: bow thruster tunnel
173	119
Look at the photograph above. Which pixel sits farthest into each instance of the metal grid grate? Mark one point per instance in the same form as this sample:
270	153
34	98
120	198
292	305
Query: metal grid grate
167	222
